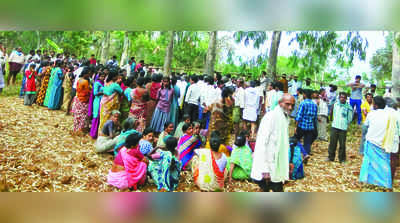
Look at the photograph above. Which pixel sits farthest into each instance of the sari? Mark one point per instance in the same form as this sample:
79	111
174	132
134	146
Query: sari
222	148
164	175
125	104
134	173
67	85
138	108
81	105
206	173
375	168
151	104
54	102
243	160
109	102
186	146
178	131
43	86
50	87
221	121
296	159
97	89
161	139
121	140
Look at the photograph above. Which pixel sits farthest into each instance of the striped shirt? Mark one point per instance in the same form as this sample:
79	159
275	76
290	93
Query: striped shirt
323	108
307	114
342	116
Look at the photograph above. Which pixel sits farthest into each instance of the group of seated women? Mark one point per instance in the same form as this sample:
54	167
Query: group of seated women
141	156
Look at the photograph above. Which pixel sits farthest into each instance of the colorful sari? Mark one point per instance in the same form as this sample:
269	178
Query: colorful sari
138	108
296	159
164	176
43	86
173	112
375	168
206	173
133	175
67	85
243	160
125	105
186	146
109	102
121	140
221	121
151	104
222	148
81	105
49	88
56	91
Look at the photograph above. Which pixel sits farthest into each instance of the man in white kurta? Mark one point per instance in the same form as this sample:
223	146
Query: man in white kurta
251	106
271	157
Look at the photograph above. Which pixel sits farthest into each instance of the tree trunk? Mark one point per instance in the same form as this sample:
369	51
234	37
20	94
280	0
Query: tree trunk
105	46
125	49
211	54
38	39
169	54
396	66
273	53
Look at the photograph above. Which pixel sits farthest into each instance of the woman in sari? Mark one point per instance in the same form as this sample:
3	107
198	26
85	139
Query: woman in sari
241	160
46	71
67	85
130	166
178	130
165	168
56	89
168	129
81	104
164	98
128	127
221	119
186	145
110	99
296	170
152	89
138	105
209	167
98	94
125	102
146	143
108	138
174	110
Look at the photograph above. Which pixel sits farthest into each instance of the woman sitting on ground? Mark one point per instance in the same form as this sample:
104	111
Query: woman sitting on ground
241	160
168	129
208	167
146	143
130	166
107	138
186	145
165	169
129	126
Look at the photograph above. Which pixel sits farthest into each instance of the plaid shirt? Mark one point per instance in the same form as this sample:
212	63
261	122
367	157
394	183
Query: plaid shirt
342	116
307	115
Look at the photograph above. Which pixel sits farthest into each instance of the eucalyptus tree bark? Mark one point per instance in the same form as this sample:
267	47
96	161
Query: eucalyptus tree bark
125	51
396	66
169	54
38	39
105	46
211	54
273	53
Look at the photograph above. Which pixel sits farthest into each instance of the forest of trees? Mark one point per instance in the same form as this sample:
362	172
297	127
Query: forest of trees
205	52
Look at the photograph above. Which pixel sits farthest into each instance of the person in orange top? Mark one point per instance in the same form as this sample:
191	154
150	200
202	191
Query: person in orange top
30	87
285	83
81	102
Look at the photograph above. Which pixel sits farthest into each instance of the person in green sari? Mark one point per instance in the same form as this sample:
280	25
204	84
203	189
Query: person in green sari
50	86
178	130
165	167
241	160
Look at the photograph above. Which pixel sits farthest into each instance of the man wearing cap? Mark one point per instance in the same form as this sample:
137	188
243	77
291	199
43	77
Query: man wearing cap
356	96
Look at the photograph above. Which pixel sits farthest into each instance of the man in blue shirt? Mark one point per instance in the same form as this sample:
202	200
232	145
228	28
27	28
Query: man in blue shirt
306	121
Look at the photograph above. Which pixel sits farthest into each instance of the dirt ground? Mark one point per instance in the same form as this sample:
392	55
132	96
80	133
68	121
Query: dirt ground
38	153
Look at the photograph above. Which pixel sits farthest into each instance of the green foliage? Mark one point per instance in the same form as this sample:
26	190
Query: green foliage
381	62
54	46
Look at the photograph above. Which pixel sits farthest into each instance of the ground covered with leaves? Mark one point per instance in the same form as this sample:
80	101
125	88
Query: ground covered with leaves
39	153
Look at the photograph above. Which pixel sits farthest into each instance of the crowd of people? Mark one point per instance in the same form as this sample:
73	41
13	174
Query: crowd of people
217	127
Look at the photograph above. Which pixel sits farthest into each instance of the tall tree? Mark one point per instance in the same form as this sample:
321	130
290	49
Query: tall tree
396	66
38	39
169	54
105	46
125	50
273	53
211	54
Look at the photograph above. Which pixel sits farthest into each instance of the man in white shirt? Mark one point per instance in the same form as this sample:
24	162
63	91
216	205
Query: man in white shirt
322	119
294	84
192	99
239	105
271	157
113	62
251	107
382	140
